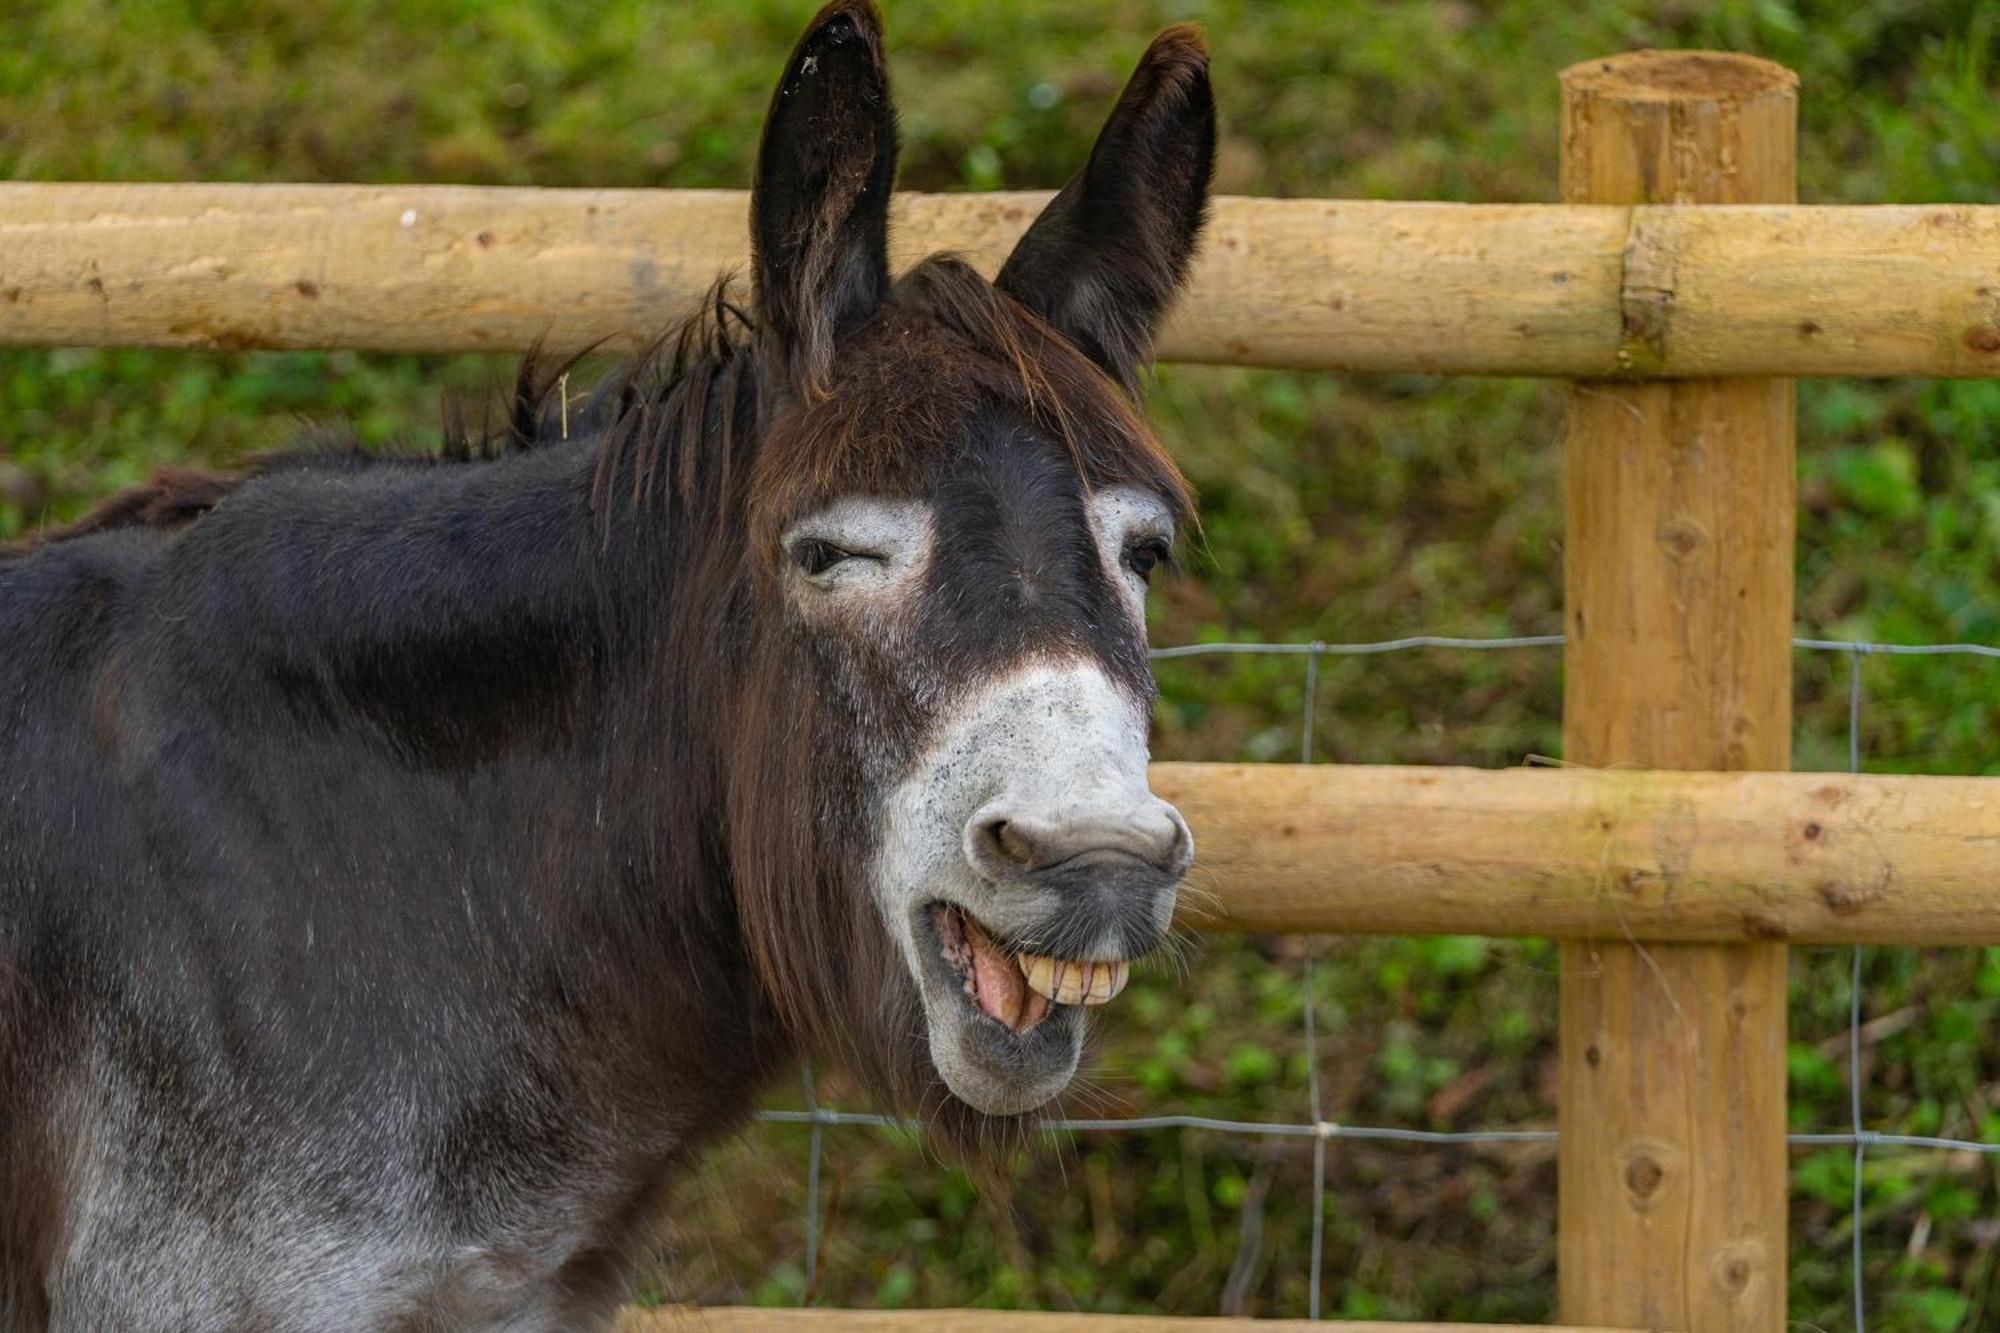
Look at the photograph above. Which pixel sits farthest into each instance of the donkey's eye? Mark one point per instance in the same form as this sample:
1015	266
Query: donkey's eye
860	544
1147	554
816	557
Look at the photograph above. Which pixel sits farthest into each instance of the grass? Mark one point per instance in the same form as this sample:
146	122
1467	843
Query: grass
1336	508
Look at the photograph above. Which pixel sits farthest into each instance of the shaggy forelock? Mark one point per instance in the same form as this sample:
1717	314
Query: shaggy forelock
945	346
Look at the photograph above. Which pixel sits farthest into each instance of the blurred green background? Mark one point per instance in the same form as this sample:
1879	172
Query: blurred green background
1337	508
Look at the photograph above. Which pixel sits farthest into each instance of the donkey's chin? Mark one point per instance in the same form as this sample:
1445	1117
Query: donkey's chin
1005	1026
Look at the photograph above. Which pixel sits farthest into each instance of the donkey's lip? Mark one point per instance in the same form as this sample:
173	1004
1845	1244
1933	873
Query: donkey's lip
1001	1047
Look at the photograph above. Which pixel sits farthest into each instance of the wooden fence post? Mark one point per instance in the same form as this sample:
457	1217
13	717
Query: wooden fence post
1679	502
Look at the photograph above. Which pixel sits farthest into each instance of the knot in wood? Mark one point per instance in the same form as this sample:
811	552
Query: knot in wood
1643	1177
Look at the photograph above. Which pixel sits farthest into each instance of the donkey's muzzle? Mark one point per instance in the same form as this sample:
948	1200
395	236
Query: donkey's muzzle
1015	843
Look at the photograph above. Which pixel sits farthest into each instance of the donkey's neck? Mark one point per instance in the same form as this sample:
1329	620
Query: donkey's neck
443	608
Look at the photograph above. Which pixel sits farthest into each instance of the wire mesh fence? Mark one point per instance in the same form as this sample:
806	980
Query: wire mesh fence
1321	1131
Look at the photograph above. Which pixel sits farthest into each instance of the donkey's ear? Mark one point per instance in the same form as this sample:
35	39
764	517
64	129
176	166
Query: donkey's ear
1103	260
819	212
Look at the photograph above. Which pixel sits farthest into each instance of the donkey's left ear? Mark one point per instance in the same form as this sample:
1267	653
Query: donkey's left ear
1103	260
819	211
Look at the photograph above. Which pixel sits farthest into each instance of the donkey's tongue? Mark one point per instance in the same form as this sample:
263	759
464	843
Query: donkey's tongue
998	985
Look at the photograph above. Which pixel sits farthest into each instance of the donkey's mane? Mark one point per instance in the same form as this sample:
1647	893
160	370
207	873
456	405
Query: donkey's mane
540	411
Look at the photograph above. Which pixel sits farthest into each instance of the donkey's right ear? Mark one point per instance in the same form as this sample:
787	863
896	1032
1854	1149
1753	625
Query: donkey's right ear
819	211
1104	259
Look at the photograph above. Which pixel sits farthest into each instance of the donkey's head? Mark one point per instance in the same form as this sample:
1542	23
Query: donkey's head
953	515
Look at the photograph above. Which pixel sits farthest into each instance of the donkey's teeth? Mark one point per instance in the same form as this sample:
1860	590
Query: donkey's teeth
1067	981
1040	973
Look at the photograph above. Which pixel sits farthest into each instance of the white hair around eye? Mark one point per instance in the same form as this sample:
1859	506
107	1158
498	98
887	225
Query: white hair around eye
1134	531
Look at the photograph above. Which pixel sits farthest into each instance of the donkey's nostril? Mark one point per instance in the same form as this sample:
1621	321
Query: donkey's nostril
1012	842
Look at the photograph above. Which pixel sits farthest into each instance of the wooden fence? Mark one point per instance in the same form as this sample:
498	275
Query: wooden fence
1674	285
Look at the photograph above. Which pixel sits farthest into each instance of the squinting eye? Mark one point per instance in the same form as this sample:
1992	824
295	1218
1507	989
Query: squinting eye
816	557
1145	555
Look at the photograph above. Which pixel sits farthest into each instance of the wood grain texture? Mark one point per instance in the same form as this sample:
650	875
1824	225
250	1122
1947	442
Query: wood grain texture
1580	853
739	1319
1565	290
1679	502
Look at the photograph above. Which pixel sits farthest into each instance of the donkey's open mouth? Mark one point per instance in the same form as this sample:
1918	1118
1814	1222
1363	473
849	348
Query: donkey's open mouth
1015	988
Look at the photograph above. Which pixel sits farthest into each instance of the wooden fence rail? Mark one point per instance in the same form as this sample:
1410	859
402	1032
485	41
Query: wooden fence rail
1578	290
1577	853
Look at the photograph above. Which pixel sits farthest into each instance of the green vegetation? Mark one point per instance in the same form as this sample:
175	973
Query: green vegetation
1336	508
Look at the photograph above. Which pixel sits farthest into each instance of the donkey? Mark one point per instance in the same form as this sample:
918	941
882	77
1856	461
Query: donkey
408	865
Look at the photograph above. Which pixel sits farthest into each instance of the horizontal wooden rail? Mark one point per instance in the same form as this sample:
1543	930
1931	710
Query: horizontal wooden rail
1817	858
1570	290
740	1319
